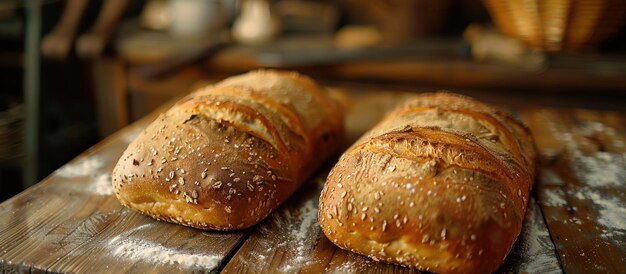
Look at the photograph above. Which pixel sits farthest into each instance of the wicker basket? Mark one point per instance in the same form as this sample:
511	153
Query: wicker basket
555	25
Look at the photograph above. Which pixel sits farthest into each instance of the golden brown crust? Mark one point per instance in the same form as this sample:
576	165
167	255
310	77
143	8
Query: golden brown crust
227	155
441	185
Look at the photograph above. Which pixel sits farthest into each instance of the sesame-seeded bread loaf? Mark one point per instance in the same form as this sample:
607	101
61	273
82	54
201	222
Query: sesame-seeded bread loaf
441	185
227	155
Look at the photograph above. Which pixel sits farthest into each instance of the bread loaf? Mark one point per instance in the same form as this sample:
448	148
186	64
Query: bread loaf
227	155
441	185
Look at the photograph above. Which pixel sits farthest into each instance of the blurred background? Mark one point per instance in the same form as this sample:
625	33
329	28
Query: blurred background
73	72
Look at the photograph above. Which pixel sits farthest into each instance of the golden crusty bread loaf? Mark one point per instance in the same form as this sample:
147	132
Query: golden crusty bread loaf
441	185
227	155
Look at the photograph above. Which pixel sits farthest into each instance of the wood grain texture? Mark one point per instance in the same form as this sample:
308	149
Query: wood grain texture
291	241
275	246
71	222
66	224
534	251
582	186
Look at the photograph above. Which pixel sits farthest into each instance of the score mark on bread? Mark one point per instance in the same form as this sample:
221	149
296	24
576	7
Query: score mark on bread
227	155
441	185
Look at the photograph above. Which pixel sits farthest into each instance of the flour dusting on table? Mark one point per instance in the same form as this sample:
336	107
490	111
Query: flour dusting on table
131	248
101	185
353	264
600	169
597	171
547	176
85	167
534	251
309	218
138	249
303	230
346	267
289	235
95	184
554	197
611	211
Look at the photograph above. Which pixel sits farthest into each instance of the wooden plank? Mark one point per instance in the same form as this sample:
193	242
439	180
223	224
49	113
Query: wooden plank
450	71
71	222
533	251
291	240
265	252
582	186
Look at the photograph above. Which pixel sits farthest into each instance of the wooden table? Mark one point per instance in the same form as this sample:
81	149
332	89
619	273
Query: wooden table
71	222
